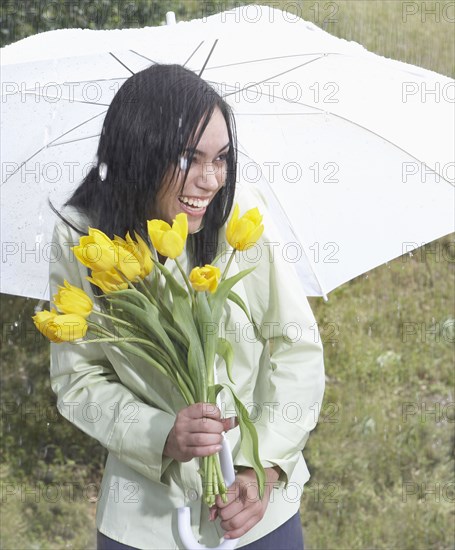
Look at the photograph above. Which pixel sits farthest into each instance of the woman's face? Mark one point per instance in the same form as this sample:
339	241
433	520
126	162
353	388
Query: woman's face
205	177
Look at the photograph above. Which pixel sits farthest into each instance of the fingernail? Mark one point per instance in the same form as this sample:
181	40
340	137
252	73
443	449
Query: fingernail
218	448
226	537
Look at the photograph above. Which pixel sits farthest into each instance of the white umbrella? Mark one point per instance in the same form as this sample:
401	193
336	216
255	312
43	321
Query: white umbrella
353	147
356	165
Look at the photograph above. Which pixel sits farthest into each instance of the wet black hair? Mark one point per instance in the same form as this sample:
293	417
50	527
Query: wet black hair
155	116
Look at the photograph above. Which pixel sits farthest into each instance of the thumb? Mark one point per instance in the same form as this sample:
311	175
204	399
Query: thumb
213	513
230	423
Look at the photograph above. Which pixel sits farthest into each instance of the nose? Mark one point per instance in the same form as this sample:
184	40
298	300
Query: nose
211	176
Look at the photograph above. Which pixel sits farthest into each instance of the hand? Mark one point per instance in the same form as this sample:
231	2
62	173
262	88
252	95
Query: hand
244	508
197	432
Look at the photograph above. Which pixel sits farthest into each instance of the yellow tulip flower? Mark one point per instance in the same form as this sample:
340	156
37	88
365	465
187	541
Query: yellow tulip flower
108	281
243	232
104	255
169	241
71	299
135	257
60	328
96	251
205	278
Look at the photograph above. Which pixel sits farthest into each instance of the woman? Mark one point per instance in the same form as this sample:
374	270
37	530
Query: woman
167	146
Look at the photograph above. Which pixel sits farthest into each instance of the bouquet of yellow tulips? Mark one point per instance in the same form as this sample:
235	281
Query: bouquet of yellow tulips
169	325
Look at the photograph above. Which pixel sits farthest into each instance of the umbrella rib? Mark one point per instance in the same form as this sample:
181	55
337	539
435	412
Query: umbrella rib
322	112
208	57
276	97
121	63
273	76
143	56
73	140
391	143
321	54
31	92
51	144
194	51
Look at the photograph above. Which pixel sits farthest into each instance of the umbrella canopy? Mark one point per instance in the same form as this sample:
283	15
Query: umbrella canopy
354	151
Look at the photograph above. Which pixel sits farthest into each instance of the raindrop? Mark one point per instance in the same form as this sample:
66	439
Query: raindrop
183	164
102	171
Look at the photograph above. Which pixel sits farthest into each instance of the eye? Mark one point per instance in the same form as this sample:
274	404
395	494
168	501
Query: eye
222	158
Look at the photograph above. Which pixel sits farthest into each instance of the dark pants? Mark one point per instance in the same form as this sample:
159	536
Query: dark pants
288	536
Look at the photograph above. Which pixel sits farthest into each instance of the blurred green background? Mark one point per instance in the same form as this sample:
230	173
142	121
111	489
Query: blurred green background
382	455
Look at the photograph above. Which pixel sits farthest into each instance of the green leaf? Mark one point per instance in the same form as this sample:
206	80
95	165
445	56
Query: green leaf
148	316
175	287
185	322
234	297
218	298
249	440
224	349
208	331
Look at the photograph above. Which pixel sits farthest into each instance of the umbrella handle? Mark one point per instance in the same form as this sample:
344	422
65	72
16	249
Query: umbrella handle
187	537
226	462
183	518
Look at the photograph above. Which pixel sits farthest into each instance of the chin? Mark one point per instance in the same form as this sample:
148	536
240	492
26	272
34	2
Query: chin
194	228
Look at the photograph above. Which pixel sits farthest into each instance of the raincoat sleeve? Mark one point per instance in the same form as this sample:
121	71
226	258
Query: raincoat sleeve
89	392
290	382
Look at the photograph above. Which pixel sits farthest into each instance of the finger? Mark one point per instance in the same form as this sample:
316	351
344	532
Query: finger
197	452
205	425
233	509
230	423
203	439
213	513
241	524
201	410
232	495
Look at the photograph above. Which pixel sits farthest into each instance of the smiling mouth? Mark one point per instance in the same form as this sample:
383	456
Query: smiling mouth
194	204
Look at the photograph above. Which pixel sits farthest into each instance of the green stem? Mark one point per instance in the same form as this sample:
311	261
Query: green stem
210	486
175	377
225	272
217	257
147	293
185	278
115	320
221	483
102	329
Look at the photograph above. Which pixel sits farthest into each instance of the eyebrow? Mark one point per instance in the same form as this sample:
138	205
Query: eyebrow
195	151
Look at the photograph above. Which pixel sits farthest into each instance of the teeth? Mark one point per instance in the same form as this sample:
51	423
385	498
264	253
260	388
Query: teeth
197	203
